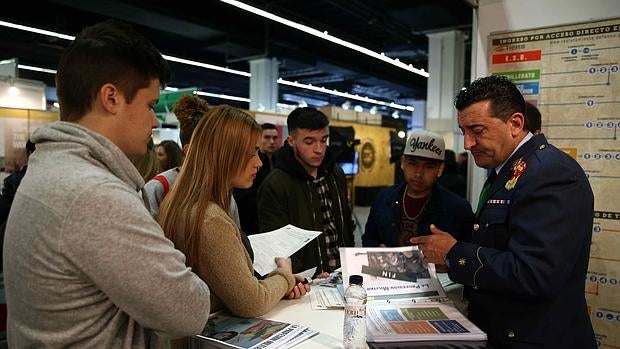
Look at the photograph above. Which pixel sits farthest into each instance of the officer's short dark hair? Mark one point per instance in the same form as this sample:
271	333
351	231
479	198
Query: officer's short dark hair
307	118
505	98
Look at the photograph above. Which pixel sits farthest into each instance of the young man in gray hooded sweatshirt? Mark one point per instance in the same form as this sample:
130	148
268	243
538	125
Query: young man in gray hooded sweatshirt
85	264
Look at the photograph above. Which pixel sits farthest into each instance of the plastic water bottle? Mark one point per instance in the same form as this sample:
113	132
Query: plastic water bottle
354	329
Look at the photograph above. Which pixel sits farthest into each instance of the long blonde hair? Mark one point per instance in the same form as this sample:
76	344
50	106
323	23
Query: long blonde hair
220	149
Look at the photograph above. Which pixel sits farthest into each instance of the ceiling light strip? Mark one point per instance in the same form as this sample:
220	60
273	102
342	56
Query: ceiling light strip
326	36
36	30
280	81
222	96
167	57
344	94
213	67
286	106
29	67
206	65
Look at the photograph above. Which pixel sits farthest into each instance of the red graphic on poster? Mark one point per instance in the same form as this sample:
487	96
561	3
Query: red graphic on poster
514	57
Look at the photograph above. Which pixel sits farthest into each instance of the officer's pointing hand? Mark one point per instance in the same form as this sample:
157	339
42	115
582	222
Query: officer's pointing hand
436	246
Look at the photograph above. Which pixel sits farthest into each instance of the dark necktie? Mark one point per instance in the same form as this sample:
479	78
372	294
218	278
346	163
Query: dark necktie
486	191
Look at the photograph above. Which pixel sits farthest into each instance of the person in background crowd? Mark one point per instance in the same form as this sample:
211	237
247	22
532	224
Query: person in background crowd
307	189
269	144
525	267
85	264
169	155
146	164
533	119
407	209
189	109
11	183
247	197
461	164
223	154
451	178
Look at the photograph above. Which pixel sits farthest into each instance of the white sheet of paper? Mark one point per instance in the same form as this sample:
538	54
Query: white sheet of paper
281	242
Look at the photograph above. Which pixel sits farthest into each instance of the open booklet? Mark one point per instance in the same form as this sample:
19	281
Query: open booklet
281	242
405	299
227	331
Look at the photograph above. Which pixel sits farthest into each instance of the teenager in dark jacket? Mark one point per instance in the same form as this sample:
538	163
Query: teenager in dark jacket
408	209
308	189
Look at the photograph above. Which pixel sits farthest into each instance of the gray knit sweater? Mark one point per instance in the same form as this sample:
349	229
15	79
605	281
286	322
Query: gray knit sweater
85	265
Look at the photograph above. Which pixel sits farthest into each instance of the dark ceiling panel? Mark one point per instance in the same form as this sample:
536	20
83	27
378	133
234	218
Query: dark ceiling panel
144	16
226	36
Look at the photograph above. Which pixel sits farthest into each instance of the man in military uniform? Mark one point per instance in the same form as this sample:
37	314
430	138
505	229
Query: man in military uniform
525	268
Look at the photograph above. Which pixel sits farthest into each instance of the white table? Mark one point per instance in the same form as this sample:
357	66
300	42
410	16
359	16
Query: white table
298	311
327	322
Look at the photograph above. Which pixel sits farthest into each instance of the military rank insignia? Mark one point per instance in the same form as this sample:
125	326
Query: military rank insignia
517	170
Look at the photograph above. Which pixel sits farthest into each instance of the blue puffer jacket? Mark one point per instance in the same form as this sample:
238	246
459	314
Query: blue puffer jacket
446	210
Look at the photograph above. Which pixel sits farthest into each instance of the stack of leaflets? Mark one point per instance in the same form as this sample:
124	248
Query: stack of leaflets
227	331
323	298
405	300
328	293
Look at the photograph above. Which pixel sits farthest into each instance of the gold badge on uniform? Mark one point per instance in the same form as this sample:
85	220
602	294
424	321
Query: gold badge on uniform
517	170
462	262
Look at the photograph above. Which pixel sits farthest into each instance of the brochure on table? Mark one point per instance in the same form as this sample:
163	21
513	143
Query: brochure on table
405	299
281	242
426	321
224	330
392	274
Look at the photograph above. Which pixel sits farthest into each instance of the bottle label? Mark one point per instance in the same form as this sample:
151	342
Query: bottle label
355	311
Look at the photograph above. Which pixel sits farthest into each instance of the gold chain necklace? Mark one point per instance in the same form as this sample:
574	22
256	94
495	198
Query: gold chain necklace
421	209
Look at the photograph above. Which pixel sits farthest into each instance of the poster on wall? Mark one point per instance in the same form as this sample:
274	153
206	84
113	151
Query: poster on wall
373	154
572	74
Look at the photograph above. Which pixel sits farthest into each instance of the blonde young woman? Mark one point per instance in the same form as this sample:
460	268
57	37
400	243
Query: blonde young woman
223	154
